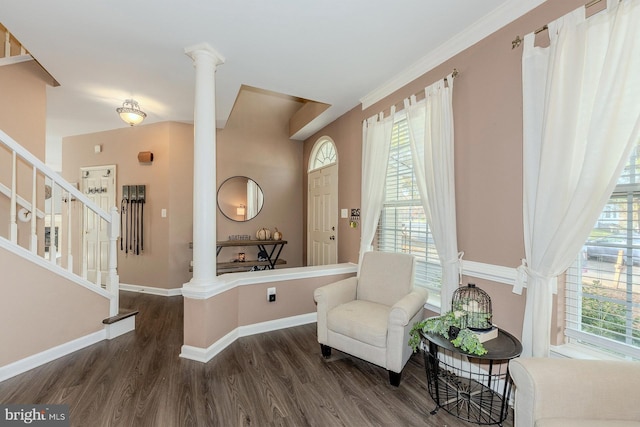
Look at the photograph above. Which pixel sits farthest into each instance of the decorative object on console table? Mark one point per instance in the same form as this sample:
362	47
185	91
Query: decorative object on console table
476	305
277	235
450	326
467	325
263	234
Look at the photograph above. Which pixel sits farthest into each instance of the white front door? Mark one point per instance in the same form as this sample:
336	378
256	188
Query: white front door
322	202
99	185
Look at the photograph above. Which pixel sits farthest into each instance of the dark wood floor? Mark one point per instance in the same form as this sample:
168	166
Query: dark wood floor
271	379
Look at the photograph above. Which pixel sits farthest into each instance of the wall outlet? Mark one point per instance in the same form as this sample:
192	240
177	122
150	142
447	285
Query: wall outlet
271	294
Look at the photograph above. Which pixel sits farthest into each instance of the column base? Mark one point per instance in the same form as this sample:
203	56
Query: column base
203	289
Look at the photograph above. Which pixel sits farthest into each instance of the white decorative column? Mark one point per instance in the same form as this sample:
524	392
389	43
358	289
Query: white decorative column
205	60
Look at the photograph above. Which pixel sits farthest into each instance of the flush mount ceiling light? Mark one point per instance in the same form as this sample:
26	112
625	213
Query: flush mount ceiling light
131	113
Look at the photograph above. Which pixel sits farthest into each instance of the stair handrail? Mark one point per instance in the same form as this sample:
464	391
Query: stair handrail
52	175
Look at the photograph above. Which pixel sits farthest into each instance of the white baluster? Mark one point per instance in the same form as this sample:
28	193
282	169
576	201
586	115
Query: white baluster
13	225
53	249
7	44
34	211
85	211
69	253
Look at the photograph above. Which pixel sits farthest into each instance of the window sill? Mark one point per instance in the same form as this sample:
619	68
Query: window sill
578	351
433	303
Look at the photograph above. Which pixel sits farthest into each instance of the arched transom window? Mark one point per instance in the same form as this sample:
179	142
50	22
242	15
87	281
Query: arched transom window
323	154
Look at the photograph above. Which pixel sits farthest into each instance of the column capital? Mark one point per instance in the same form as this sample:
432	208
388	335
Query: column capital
204	49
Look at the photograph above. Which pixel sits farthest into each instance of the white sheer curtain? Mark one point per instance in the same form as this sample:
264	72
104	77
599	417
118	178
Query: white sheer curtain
431	134
376	140
581	119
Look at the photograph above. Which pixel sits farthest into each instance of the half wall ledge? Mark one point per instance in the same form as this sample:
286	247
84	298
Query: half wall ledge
226	282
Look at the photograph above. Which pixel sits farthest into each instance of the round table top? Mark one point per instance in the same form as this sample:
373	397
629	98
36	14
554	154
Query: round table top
504	347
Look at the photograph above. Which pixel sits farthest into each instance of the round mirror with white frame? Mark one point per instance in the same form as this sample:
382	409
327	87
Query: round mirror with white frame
240	198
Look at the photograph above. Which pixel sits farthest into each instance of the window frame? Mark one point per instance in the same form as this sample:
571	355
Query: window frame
320	148
429	267
627	193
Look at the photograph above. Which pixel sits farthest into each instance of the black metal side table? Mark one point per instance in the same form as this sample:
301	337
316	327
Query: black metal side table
472	388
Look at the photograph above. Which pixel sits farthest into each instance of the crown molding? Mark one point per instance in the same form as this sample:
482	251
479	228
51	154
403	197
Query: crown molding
490	23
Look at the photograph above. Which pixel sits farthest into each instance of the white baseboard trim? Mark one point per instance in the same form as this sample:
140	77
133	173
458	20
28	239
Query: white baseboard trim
30	362
109	332
151	290
273	325
206	354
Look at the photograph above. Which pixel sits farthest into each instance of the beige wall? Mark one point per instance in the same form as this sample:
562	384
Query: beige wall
180	204
255	143
23	105
293	297
207	321
487	103
164	263
22	117
40	310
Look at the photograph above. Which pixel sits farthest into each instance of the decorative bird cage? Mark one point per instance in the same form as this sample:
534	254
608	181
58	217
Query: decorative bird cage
476	306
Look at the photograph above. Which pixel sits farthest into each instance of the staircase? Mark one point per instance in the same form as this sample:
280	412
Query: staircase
58	256
51	306
33	191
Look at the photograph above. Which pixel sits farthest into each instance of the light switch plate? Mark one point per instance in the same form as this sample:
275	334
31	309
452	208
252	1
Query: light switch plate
344	213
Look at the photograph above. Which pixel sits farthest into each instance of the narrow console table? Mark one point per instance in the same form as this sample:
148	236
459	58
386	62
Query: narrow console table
273	254
472	388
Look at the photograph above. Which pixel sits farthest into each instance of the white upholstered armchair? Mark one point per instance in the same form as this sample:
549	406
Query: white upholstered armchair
370	316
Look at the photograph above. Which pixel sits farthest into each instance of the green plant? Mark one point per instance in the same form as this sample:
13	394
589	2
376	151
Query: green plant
466	340
606	315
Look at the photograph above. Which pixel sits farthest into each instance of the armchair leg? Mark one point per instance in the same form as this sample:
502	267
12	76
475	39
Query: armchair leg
326	351
394	378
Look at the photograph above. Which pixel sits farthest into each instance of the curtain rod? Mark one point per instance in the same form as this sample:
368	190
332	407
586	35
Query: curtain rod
400	105
518	41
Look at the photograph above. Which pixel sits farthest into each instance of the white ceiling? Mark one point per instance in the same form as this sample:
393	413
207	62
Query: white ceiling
333	51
